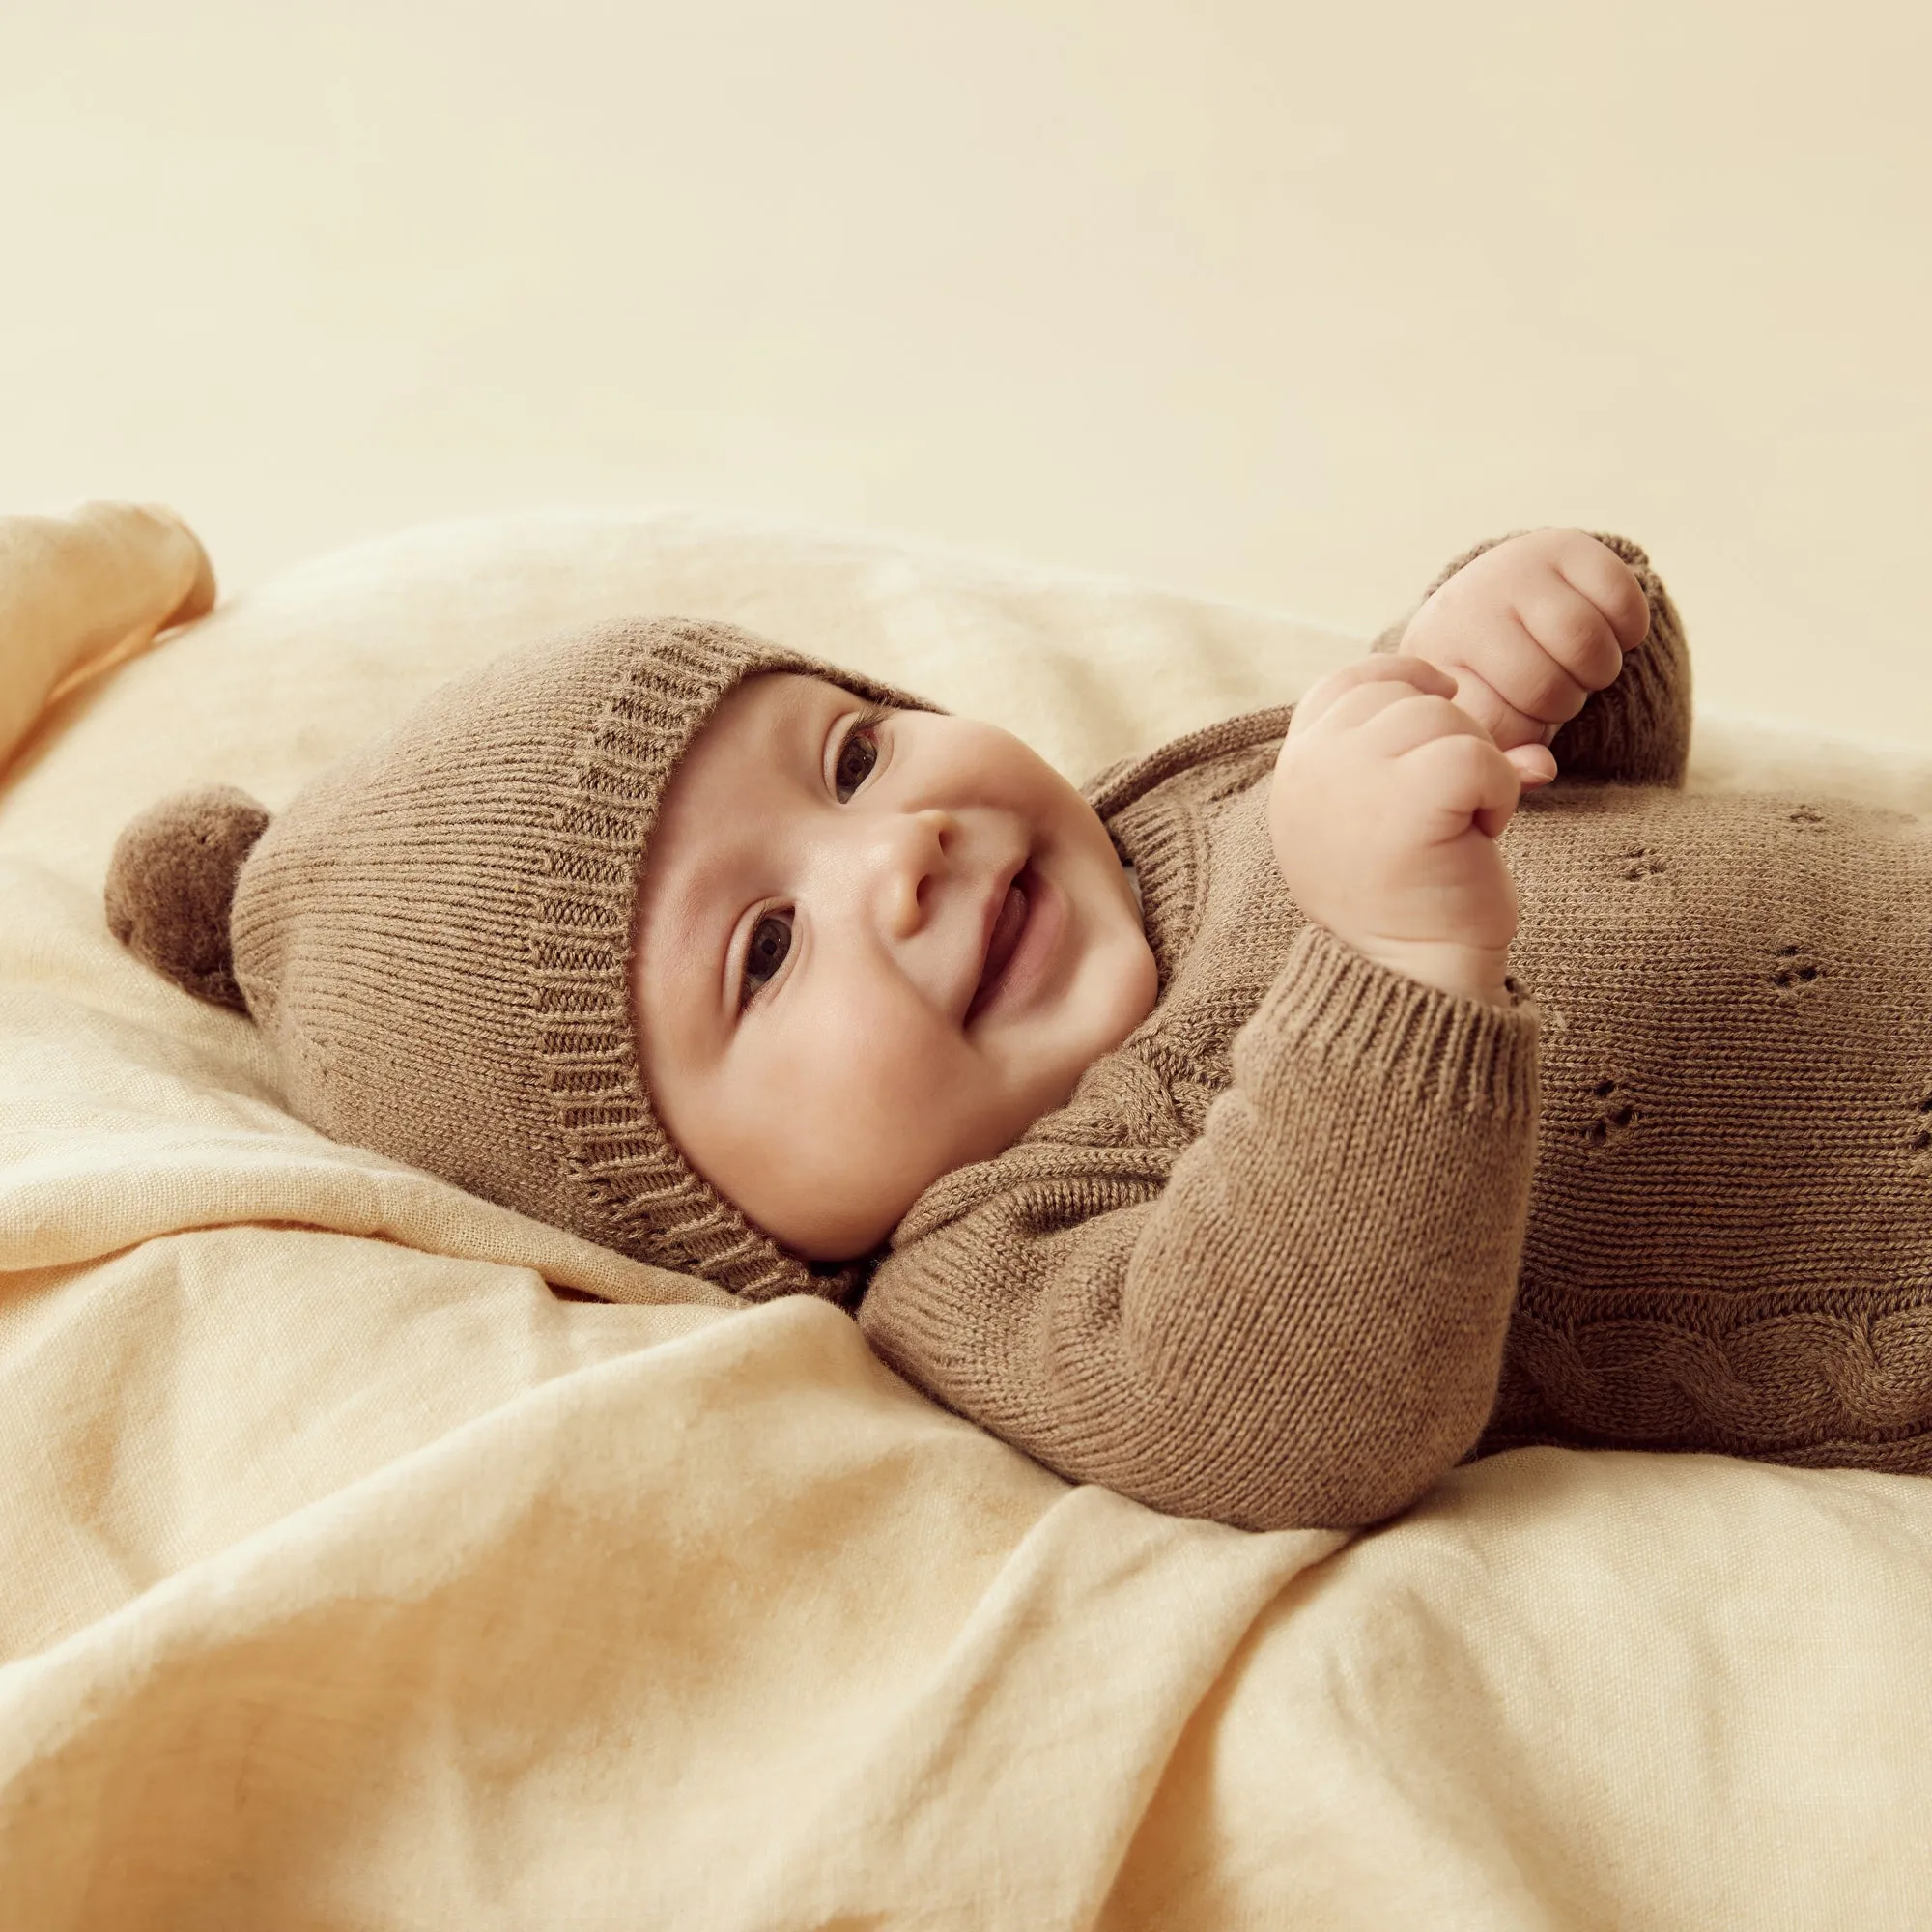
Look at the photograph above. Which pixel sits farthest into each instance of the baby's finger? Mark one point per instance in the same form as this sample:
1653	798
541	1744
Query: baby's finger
1407	674
1610	583
1401	729
1535	765
1521	695
1581	649
1467	779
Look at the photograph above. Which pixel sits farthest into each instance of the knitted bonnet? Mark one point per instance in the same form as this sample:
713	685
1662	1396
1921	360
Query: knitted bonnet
435	936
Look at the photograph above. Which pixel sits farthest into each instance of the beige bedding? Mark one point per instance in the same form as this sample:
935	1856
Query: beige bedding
350	1577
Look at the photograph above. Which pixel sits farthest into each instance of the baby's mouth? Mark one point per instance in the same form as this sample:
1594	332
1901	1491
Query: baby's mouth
1008	926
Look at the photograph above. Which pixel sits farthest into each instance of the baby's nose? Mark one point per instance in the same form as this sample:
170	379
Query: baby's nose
913	856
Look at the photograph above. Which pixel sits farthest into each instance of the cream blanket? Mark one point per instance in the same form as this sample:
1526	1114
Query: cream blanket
350	1577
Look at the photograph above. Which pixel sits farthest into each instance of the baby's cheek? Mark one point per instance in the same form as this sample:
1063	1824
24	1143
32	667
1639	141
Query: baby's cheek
887	1105
867	1112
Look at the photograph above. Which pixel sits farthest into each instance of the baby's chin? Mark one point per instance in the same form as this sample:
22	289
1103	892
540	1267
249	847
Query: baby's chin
818	1221
863	1228
815	1233
848	1239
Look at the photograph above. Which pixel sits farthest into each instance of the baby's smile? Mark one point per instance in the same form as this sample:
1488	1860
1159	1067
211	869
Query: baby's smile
870	948
1028	917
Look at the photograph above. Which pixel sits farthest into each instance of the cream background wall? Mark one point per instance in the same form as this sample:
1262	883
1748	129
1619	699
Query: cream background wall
1279	303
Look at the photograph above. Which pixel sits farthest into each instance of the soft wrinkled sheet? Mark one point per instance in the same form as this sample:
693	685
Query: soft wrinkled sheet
348	1576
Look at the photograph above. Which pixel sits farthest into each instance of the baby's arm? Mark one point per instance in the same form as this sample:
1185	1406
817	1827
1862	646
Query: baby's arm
1298	1320
1531	626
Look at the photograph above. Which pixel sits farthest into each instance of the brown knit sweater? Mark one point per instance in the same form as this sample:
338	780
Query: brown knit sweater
1316	1231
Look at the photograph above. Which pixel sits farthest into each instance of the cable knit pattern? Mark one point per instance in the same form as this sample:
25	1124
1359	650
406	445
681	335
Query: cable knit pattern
1757	1383
1316	1231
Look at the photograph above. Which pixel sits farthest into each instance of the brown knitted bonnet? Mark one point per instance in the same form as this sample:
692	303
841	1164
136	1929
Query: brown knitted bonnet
435	934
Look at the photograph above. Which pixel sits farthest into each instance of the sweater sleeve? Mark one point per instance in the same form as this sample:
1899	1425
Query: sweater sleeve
1296	1320
1637	730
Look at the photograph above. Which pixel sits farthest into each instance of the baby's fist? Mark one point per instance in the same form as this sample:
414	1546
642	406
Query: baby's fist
1384	811
1529	630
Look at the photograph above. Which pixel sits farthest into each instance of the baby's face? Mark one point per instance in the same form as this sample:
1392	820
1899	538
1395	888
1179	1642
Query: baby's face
870	953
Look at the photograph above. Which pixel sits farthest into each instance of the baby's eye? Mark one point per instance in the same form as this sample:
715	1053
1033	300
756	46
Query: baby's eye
857	755
771	941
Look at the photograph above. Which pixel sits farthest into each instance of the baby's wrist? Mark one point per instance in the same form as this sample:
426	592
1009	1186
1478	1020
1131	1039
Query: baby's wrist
1463	972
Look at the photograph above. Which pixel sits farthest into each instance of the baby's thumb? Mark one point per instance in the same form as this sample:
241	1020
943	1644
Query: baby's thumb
1535	764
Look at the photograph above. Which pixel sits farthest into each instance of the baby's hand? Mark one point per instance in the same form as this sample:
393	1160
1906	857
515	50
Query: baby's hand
1529	630
1384	808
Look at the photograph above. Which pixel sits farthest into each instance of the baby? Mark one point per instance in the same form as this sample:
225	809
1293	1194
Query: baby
1225	1132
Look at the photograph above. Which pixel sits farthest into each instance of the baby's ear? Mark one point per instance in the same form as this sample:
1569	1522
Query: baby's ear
171	885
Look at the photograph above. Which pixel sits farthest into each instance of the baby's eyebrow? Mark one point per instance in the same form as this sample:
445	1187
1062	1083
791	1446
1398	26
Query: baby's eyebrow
800	706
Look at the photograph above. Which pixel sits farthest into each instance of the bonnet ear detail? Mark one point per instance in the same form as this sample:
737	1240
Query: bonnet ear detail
171	884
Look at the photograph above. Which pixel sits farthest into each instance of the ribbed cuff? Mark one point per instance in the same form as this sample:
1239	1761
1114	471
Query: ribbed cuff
1337	1004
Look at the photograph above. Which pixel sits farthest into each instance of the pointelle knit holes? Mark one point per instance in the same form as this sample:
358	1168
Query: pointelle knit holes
1616	1117
1795	971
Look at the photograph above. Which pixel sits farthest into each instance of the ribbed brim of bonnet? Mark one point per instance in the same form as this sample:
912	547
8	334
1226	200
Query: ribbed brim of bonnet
436	936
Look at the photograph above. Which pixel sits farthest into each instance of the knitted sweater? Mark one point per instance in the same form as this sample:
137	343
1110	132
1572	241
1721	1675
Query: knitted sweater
1316	1231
